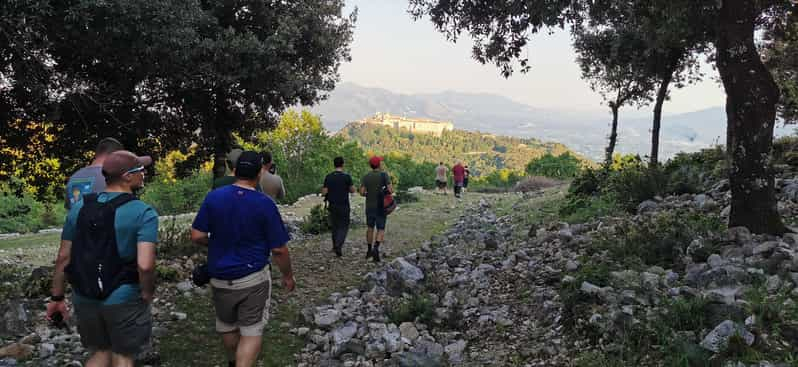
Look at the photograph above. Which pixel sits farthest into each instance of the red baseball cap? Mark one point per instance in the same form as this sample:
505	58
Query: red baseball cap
375	161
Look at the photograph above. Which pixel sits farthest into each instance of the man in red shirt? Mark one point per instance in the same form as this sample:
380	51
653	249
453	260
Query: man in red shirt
458	172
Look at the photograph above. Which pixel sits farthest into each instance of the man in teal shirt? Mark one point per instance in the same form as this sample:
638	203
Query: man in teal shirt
118	326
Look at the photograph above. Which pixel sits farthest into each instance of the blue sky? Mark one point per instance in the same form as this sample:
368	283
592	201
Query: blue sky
392	51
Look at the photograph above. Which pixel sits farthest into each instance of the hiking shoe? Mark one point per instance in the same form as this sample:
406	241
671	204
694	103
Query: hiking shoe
338	251
369	253
376	255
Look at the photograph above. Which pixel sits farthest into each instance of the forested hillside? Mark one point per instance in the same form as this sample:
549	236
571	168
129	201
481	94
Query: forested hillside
484	153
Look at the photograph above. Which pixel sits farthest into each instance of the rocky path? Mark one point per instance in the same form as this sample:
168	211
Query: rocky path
479	295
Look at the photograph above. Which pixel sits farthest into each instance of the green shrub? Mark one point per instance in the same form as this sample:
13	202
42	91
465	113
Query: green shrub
785	149
408	310
166	274
500	180
562	166
588	182
317	222
178	196
19	211
658	240
635	184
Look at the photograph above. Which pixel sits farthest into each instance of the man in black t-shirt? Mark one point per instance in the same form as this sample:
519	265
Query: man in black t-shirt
337	187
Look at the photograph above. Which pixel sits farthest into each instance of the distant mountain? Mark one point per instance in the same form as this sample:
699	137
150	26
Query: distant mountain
582	131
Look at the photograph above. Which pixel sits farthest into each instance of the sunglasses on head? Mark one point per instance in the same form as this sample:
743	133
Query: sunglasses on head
136	170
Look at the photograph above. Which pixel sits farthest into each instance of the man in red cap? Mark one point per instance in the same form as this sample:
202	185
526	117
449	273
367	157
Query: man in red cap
108	251
373	185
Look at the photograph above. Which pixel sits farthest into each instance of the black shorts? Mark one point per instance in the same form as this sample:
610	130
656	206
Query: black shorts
123	329
375	218
440	184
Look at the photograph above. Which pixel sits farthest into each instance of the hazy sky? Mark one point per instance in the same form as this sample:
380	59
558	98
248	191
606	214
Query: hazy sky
393	52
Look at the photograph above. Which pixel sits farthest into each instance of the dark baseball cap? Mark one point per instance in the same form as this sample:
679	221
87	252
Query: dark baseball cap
249	164
122	161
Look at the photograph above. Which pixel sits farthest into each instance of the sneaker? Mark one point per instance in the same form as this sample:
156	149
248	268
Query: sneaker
338	251
369	253
376	254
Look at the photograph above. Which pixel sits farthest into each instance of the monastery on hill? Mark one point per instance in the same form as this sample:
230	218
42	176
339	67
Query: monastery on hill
414	125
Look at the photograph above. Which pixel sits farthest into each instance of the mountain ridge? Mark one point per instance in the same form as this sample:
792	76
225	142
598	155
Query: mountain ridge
584	131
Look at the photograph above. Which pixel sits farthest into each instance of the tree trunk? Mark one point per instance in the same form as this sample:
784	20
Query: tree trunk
222	141
613	135
662	93
751	97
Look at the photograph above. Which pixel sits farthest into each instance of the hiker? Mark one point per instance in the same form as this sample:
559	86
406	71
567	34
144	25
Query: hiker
108	252
440	178
90	179
270	182
241	228
337	187
465	179
230	163
373	186
458	175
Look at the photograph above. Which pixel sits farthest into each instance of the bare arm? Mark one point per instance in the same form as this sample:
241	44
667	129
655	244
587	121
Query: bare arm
199	237
352	189
61	261
390	188
146	264
362	190
282	258
324	191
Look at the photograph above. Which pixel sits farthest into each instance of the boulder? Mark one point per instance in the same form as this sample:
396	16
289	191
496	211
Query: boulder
647	206
14	319
16	351
402	276
717	340
408	331
326	317
454	351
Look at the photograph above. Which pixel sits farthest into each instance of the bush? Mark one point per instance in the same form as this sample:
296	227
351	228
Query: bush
500	180
580	209
658	240
587	182
178	196
785	150
317	222
562	166
408	310
635	184
19	211
535	183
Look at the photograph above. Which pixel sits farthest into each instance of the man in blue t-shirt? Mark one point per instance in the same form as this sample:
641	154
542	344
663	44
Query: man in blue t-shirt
118	327
241	228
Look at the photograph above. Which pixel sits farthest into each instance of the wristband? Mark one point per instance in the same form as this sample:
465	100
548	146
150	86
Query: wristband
57	298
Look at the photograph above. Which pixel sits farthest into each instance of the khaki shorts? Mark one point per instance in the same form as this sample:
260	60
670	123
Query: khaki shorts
243	304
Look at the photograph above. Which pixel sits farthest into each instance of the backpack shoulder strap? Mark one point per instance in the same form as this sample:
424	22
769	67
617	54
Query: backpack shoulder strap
90	198
122	199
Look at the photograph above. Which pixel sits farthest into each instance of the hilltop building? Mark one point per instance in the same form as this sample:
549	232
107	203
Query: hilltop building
414	125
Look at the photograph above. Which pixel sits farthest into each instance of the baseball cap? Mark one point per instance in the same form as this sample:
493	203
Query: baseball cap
249	164
121	161
375	161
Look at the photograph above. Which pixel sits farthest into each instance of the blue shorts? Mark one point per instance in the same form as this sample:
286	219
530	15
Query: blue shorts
375	218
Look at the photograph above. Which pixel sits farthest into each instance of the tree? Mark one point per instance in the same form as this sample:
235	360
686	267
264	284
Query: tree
501	31
612	61
667	50
781	55
163	74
